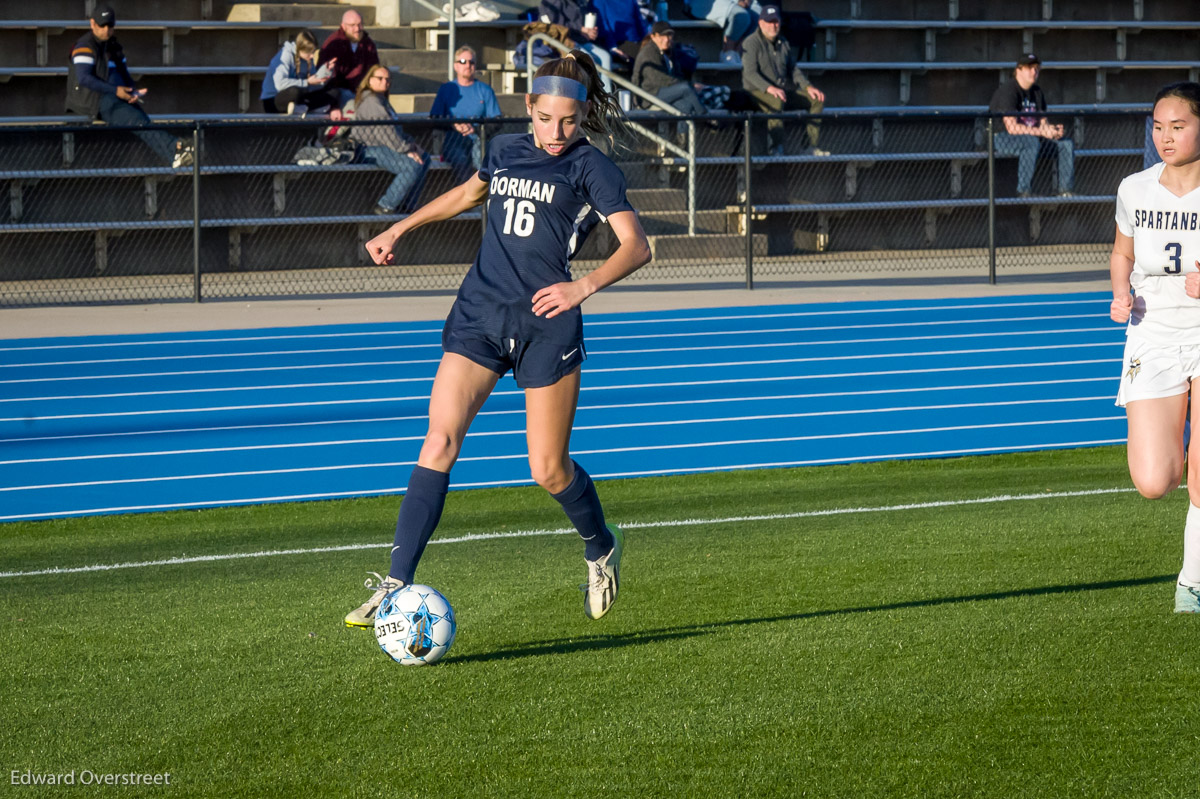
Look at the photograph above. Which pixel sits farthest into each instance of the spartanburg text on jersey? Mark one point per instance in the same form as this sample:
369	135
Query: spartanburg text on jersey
540	209
1166	246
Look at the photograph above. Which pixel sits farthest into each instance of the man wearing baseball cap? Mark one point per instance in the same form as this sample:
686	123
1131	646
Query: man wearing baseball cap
1025	131
99	84
771	76
656	71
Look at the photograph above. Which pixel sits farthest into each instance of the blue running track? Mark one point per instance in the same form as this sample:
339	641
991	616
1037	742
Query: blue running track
116	424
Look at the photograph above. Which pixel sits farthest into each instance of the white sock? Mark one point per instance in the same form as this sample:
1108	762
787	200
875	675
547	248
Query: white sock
1190	574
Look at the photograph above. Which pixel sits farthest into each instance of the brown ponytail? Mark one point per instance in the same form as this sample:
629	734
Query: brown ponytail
604	114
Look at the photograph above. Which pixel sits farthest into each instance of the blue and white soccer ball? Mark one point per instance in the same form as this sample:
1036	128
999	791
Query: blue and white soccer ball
415	625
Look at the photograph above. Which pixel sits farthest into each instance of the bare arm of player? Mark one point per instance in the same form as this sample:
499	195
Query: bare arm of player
1191	283
1120	267
633	254
463	197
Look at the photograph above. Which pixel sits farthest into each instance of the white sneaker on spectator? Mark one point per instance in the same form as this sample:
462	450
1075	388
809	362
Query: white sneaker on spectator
298	108
184	156
731	57
815	151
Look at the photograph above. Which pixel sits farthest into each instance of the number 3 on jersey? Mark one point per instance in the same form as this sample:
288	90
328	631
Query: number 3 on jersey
522	224
1176	250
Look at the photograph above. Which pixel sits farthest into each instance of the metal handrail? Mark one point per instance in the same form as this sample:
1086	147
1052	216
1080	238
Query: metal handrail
689	154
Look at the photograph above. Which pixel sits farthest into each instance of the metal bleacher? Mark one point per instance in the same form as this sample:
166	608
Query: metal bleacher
904	123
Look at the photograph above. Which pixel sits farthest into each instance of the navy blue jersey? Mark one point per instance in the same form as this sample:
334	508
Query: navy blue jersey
540	208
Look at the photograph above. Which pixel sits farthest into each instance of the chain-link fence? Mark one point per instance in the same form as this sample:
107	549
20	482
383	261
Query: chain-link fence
265	208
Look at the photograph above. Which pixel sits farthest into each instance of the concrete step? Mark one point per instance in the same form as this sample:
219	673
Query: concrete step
383	37
323	13
675	223
710	246
656	199
407	59
511	105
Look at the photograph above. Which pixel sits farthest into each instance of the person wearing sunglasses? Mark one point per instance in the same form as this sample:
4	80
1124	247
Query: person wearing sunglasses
464	98
387	145
99	85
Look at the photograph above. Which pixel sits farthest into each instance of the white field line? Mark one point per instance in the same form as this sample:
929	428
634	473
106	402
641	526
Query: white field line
645	447
591	323
642	525
521	430
591	354
621	370
582	408
616	387
633	337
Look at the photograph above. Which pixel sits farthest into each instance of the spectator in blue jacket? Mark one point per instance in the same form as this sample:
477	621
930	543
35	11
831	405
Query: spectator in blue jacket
574	15
736	18
294	82
464	98
622	27
99	84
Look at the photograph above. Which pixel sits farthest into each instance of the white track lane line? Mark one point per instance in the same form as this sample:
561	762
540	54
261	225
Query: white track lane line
607	475
436	343
520	431
517	393
610	370
636	525
582	407
1118	339
592	322
656	447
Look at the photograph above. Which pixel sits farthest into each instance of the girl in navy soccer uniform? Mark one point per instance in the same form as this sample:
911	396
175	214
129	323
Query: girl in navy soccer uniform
518	309
1155	282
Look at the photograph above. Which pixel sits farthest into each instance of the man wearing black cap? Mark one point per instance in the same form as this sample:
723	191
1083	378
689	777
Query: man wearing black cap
770	74
1027	133
656	71
99	84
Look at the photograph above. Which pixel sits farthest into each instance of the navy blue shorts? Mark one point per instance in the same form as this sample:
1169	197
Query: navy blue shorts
534	364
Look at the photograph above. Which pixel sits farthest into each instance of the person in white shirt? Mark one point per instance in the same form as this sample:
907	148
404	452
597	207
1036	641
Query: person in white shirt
1155	270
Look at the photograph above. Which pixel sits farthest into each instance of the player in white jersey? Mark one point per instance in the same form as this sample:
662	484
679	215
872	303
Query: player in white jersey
1155	269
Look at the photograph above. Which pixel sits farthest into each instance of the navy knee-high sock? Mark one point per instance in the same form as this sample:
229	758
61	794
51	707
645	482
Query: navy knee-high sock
582	505
419	515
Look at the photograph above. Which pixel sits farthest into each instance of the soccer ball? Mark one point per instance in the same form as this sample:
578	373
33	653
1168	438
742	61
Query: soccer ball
415	625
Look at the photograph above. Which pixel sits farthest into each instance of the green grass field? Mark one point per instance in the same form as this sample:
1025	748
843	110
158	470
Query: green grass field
1024	647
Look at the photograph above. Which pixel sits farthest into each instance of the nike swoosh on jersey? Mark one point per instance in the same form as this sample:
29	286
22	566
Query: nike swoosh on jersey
569	354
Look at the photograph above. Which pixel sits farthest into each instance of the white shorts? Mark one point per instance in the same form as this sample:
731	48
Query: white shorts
1152	371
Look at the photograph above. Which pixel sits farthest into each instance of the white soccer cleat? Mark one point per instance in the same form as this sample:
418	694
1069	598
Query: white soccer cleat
604	578
1187	599
364	615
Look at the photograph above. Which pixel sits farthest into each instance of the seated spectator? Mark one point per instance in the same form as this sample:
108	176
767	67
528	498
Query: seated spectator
354	53
775	83
99	84
621	28
388	146
464	98
1028	134
574	15
736	18
293	81
657	71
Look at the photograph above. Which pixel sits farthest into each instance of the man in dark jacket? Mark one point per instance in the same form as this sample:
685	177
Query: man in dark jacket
770	74
656	71
99	85
1027	133
355	54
